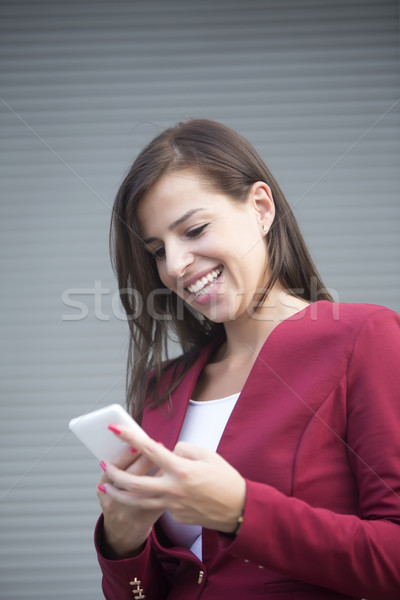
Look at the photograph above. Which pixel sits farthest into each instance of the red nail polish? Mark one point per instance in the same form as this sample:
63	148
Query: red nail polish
132	449
103	465
102	488
115	429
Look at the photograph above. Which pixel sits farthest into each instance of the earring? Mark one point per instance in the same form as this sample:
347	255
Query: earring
265	228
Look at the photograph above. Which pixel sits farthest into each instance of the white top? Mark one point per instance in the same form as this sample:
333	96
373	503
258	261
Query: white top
203	426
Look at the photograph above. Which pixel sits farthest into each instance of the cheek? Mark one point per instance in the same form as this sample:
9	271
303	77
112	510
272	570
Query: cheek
163	276
161	272
255	251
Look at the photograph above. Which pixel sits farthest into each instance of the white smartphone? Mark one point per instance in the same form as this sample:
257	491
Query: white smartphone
92	430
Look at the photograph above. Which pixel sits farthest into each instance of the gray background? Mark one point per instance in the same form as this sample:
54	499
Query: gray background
84	85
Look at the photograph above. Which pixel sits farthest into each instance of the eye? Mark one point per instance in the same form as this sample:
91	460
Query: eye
158	253
193	233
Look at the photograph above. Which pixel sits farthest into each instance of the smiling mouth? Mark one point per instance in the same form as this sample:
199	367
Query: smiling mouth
202	285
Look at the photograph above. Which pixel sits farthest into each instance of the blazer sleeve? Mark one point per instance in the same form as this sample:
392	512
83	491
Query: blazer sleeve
358	555
142	576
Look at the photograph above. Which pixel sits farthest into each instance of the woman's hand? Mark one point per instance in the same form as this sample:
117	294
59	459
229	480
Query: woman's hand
197	485
126	526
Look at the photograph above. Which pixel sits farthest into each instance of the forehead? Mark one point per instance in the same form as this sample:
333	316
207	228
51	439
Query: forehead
173	194
173	183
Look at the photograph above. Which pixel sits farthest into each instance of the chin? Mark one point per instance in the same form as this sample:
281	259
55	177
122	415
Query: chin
219	316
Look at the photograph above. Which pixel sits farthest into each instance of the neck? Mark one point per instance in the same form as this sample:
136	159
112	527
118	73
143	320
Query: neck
247	334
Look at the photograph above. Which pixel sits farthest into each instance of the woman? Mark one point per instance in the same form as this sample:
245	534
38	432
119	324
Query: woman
274	465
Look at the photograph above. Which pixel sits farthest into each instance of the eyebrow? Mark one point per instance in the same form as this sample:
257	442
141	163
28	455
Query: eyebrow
175	224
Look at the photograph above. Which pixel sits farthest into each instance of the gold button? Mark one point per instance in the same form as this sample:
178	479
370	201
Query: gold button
200	577
138	591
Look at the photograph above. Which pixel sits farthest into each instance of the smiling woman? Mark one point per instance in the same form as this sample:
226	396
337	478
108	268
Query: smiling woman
193	181
267	478
208	256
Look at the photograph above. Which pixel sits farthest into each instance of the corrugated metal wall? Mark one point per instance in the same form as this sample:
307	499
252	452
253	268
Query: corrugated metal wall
84	85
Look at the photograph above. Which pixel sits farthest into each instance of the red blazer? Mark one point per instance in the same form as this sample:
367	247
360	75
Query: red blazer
316	434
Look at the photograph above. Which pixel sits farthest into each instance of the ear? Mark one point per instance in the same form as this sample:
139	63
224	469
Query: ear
260	198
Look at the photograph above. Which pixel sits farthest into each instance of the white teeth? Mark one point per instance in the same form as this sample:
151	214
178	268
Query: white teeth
198	287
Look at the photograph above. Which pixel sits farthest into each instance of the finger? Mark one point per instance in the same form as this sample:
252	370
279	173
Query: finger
138	485
141	466
124	461
104	479
110	493
126	457
154	451
192	452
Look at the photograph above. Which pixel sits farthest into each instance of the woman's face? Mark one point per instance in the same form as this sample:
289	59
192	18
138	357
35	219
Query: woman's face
208	249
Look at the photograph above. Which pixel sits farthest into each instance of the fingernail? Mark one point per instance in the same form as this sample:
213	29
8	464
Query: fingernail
102	488
132	449
115	429
103	465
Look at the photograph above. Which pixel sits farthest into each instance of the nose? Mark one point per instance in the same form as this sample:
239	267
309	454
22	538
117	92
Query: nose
177	260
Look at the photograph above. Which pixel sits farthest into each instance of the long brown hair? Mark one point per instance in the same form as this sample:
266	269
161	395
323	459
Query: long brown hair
229	165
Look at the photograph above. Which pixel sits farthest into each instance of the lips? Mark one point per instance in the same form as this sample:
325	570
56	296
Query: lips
200	286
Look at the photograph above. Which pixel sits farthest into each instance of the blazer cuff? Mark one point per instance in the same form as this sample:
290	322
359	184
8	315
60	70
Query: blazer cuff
123	577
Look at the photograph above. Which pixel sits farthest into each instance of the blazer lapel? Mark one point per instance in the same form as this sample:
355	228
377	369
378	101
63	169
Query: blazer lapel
165	423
